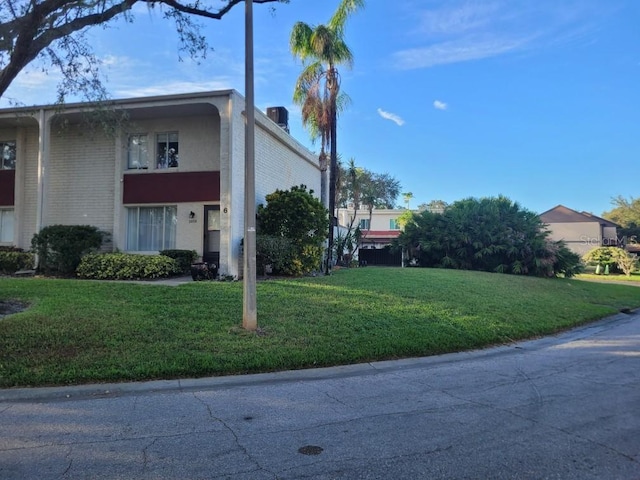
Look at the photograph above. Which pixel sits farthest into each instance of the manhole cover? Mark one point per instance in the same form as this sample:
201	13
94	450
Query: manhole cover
310	450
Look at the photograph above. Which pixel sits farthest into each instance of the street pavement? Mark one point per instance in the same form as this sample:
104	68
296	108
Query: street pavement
562	407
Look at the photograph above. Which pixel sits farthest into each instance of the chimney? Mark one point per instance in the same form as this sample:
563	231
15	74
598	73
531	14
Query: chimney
279	115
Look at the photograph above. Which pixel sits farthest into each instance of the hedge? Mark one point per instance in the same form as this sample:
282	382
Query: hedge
126	266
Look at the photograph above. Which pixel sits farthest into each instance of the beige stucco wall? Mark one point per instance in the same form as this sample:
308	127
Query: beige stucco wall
380	219
580	237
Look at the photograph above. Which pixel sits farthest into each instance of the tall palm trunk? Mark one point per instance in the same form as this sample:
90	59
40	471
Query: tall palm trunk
332	183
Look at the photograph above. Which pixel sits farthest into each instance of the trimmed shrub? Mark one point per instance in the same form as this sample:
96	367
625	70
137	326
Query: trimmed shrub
10	249
12	261
126	266
278	252
61	247
184	258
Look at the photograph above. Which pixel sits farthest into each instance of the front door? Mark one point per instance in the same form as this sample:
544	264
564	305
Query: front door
211	250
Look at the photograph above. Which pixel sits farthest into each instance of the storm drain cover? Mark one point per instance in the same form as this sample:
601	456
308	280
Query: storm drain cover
310	450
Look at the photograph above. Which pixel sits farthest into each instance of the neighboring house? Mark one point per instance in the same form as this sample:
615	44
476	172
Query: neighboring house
377	231
581	231
171	176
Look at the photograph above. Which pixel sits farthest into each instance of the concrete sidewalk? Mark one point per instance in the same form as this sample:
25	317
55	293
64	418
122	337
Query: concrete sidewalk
564	407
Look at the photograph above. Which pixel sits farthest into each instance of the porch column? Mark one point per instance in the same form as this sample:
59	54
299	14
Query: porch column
44	128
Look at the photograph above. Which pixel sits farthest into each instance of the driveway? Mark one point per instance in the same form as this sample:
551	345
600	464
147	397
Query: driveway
564	407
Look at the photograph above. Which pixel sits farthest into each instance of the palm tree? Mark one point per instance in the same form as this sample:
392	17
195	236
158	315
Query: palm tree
322	48
407	196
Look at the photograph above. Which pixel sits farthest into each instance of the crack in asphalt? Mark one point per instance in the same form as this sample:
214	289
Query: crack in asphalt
242	448
544	424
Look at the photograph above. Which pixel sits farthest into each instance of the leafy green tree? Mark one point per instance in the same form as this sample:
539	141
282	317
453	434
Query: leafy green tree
300	218
434	206
52	30
626	214
611	257
488	234
322	49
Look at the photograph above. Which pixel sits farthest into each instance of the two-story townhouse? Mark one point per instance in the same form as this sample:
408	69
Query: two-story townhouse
378	229
581	231
170	175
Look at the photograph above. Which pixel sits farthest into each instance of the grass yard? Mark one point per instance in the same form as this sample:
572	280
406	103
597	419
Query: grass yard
635	277
85	331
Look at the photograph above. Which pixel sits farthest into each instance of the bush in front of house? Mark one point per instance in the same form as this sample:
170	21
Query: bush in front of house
13	259
126	266
301	222
61	247
274	252
184	258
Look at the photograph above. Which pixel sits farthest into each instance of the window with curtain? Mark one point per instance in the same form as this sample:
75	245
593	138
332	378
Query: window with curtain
6	226
167	150
8	155
151	229
393	224
364	224
138	154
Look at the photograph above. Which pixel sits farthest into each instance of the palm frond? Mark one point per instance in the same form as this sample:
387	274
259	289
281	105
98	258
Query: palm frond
346	8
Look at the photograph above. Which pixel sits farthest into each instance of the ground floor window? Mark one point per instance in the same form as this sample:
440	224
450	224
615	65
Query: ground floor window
151	229
6	226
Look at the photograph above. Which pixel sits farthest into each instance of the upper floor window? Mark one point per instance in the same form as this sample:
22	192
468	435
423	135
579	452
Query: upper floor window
365	224
138	155
8	155
167	150
393	224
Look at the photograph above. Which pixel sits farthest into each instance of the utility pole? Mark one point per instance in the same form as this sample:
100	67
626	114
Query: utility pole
250	310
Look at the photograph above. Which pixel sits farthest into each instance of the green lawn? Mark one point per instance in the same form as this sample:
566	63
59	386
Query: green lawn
86	331
635	277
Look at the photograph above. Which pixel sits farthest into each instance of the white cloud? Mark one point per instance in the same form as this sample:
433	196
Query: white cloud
454	52
391	116
438	105
466	30
458	18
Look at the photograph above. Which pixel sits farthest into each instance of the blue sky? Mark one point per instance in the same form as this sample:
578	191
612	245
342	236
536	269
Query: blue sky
538	100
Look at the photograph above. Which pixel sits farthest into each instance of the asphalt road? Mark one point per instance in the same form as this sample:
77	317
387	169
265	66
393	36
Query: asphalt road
564	407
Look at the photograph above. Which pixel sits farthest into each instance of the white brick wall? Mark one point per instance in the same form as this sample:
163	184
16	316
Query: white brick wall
80	175
280	162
